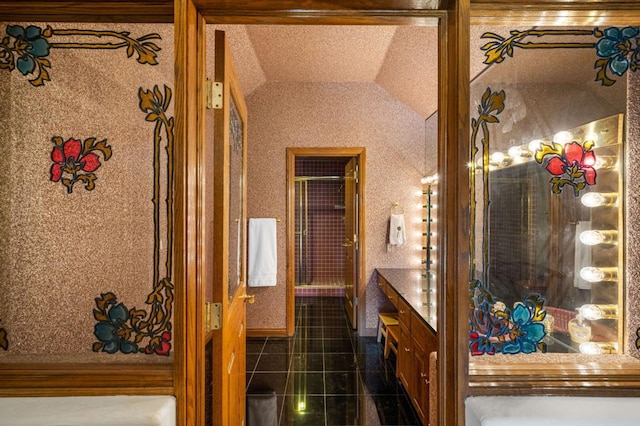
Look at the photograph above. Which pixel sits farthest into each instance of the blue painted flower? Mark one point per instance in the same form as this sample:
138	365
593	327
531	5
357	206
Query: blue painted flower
526	334
114	333
616	44
30	44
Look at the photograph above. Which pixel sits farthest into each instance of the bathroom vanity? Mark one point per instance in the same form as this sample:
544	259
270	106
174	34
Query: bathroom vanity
411	293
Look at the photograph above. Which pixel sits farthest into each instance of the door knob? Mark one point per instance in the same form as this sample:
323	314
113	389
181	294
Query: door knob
251	298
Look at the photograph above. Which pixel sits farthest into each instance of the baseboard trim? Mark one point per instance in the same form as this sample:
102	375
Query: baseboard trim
266	332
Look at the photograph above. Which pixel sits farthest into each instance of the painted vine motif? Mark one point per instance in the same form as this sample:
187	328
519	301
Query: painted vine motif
75	161
131	330
571	164
494	327
618	49
27	48
4	340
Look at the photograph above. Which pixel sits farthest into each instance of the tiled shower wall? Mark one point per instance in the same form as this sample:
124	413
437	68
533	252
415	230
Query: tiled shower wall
323	254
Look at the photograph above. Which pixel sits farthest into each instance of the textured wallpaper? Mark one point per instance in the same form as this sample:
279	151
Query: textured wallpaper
66	237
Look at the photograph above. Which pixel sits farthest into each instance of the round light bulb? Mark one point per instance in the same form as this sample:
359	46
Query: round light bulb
590	348
594	237
534	145
597	199
590	312
591	238
519	152
498	157
562	137
591	274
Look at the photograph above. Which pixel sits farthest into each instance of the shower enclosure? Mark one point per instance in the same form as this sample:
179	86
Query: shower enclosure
319	223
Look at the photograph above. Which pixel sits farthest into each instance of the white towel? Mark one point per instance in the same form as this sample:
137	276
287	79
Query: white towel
582	256
397	236
263	264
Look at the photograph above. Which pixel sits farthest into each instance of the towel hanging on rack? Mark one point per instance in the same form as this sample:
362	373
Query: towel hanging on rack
262	256
397	235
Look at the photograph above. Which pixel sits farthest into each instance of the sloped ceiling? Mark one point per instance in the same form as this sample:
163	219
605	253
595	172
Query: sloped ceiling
401	60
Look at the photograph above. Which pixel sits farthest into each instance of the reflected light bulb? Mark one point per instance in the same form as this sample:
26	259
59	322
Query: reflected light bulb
591	137
534	145
598	348
597	199
595	275
562	137
519	152
594	237
597	312
499	157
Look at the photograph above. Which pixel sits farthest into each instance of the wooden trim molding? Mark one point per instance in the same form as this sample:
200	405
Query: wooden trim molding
85	379
267	332
156	11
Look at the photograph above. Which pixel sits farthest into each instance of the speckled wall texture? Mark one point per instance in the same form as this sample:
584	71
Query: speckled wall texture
336	115
633	215
61	250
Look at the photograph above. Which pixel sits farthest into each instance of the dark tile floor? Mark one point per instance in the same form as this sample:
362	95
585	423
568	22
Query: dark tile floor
325	374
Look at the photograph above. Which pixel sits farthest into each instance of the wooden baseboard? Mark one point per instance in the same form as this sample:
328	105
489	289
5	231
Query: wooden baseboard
267	332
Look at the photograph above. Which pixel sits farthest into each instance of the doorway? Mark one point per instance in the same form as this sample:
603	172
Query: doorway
325	204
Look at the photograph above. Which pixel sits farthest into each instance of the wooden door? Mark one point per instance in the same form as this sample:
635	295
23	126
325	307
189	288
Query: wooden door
229	243
351	239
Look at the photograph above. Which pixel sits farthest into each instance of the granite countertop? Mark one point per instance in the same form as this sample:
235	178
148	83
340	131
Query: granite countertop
415	289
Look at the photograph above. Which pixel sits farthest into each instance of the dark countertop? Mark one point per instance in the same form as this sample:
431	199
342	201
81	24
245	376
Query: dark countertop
416	290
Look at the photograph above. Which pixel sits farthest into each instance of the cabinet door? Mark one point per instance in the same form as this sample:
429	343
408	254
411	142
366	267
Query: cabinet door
420	393
404	358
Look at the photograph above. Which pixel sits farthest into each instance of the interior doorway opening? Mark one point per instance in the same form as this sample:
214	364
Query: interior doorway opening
325	206
320	226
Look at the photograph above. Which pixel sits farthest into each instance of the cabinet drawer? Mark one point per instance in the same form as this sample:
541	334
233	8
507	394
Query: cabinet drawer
422	335
392	295
382	283
404	312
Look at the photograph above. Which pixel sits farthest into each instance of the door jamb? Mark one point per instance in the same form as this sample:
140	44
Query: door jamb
292	154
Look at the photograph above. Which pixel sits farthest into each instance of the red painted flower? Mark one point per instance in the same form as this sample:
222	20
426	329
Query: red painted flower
161	348
68	158
574	157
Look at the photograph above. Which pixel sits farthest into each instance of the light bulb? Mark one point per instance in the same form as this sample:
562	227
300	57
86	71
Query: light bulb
594	312
597	199
519	152
595	275
534	145
562	137
595	237
593	137
499	157
598	348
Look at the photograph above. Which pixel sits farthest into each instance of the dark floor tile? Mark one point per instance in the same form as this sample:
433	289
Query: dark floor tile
308	362
381	383
303	322
264	382
278	345
255	344
340	362
303	410
342	383
274	362
395	411
310	333
342	411
308	346
252	360
337	333
303	383
338	345
333	322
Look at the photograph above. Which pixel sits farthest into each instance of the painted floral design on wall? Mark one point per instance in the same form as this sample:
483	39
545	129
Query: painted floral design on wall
617	48
27	48
75	161
131	330
494	327
571	164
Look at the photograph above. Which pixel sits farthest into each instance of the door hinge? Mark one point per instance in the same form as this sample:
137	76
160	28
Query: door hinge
214	94
212	316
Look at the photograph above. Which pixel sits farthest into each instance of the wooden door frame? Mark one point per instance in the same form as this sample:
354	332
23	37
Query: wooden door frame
292	154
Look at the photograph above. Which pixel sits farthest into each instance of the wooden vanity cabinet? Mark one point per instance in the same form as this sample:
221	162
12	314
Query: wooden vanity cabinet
405	362
423	342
